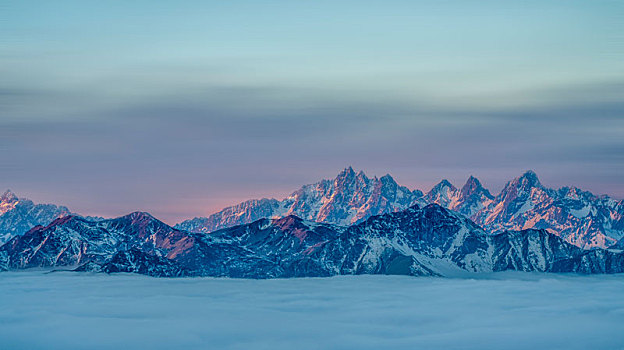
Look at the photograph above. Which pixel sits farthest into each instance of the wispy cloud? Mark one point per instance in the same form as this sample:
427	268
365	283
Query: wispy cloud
121	107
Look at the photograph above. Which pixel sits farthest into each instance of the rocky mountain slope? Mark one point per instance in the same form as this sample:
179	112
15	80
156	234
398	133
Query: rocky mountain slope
417	241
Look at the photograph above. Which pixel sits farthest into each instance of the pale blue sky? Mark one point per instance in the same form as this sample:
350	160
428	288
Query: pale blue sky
179	108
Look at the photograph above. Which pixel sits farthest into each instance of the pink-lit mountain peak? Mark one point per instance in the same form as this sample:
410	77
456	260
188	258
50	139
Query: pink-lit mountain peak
527	180
8	196
8	201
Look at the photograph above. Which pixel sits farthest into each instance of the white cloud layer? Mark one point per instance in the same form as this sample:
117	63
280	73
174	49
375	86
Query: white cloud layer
502	311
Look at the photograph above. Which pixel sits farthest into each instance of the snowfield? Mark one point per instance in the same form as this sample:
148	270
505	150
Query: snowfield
64	310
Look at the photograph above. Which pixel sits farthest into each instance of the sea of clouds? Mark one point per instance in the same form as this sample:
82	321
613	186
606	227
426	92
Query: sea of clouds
65	310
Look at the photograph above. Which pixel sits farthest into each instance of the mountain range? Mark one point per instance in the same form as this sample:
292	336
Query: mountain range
348	199
417	241
578	216
323	211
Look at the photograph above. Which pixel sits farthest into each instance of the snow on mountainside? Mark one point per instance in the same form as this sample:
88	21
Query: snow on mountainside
73	240
8	201
350	198
18	215
429	241
468	200
580	217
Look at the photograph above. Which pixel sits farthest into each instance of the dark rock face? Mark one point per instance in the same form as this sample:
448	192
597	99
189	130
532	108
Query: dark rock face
429	241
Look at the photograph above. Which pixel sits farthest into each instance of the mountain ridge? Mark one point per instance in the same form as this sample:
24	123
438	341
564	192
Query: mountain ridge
417	241
349	198
578	216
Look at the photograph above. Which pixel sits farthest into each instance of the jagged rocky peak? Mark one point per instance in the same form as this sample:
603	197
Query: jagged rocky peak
443	193
521	186
442	185
18	215
8	201
351	197
346	180
361	177
528	180
348	198
387	179
473	187
8	196
346	175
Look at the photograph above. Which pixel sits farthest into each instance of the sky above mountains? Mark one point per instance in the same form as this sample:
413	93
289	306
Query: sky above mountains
182	108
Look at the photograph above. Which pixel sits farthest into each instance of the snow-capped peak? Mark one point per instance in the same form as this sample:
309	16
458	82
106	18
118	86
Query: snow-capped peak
442	185
520	188
473	186
349	198
578	216
8	200
387	179
530	179
444	194
8	196
347	173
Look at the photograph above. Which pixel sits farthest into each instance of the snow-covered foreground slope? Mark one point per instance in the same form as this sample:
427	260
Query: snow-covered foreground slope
503	311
